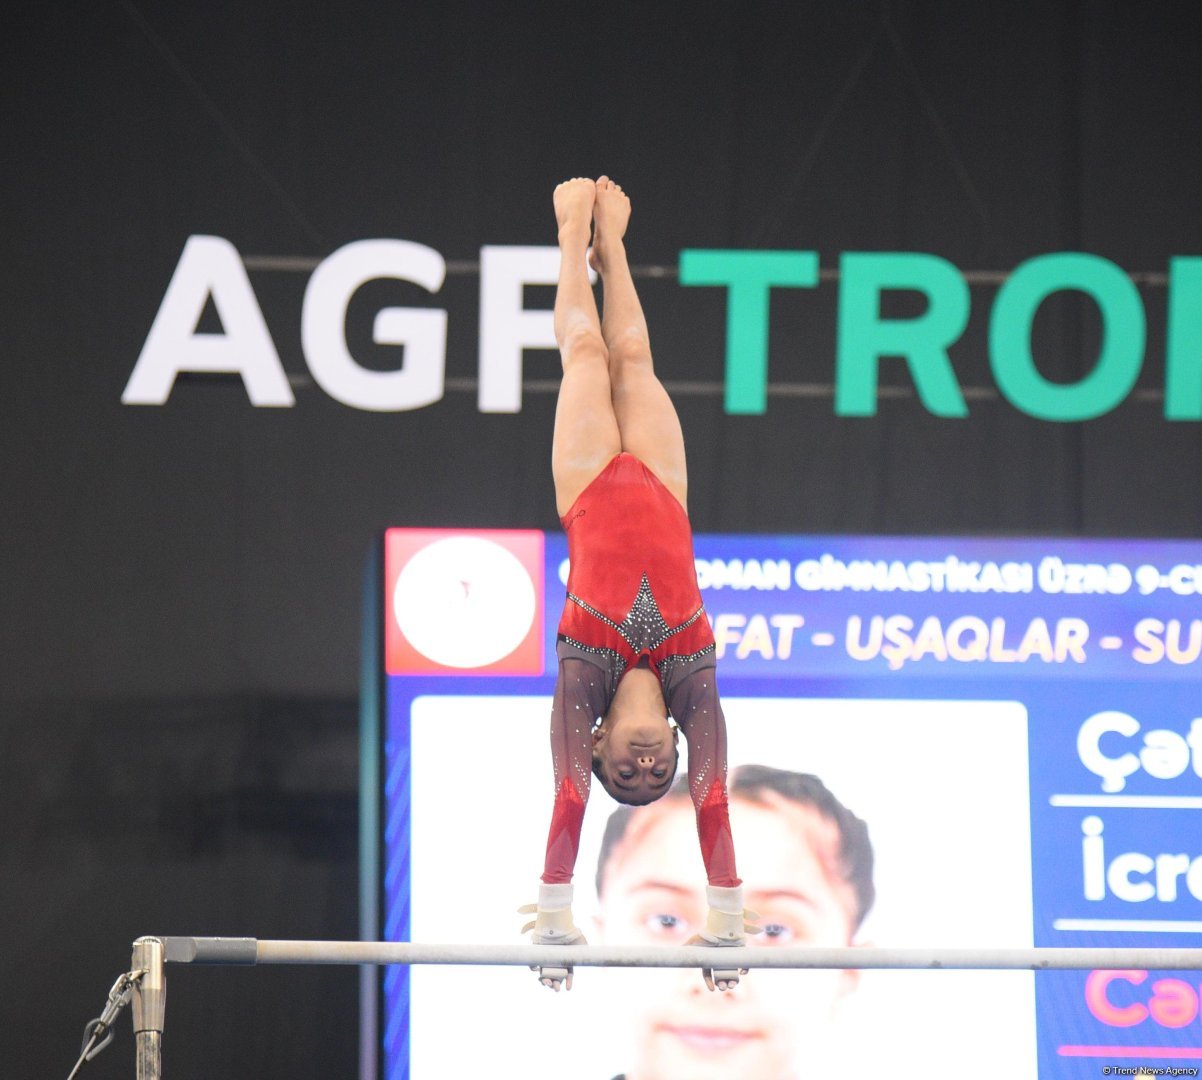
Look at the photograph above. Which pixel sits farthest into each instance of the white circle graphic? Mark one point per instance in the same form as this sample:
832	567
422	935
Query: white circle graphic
464	602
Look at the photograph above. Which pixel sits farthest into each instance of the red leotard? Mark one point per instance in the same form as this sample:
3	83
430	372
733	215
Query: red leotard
632	595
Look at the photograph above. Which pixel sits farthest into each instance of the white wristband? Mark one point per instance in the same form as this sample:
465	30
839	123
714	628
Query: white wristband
554	897
727	899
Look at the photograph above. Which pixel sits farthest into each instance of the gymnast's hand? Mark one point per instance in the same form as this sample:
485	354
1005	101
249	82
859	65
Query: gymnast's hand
552	925
727	925
556	976
716	977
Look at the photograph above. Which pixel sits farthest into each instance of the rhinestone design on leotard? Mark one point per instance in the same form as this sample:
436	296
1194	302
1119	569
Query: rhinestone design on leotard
644	627
615	661
669	664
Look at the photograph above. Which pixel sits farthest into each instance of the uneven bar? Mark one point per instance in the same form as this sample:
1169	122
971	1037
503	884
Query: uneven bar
199	950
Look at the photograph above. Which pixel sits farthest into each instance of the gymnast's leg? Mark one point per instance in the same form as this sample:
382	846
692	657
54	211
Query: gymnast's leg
647	422
586	429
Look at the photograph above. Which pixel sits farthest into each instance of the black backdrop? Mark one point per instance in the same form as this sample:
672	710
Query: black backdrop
180	585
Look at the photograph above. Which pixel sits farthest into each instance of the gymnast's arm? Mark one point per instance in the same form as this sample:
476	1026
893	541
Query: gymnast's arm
693	702
582	693
581	696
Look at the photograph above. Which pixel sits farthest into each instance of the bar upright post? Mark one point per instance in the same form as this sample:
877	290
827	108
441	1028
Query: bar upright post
149	1007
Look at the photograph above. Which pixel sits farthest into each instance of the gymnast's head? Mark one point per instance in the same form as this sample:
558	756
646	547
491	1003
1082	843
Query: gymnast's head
635	749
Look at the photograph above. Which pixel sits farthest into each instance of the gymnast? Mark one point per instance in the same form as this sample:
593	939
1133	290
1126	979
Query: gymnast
634	643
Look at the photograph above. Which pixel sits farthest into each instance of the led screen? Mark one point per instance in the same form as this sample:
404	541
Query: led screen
1017	721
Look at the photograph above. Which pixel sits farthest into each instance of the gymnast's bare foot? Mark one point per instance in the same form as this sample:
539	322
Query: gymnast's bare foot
611	215
574	210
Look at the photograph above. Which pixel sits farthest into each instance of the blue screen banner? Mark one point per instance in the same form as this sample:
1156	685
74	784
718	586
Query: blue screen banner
1017	721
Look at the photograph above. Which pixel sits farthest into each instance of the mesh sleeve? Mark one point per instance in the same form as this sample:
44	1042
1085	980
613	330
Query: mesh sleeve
581	695
693	701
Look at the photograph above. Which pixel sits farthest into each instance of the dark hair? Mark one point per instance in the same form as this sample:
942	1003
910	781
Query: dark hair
752	782
624	797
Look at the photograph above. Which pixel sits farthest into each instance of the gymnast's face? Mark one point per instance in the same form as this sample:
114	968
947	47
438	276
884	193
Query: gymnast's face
654	894
637	756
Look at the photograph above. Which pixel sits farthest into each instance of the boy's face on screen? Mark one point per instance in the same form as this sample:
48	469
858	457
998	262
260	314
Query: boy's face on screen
654	894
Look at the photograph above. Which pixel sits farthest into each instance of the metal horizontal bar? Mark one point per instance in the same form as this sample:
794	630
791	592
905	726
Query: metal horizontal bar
209	950
251	950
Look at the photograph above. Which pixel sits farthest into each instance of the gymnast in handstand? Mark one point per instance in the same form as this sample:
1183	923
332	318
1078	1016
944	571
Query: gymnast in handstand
634	643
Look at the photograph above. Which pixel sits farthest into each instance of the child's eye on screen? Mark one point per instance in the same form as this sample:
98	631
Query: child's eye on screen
777	934
663	923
